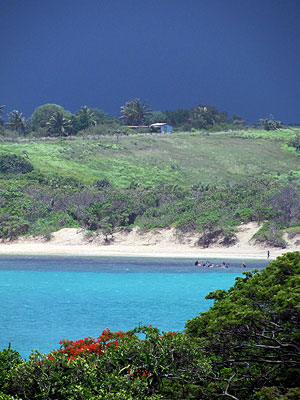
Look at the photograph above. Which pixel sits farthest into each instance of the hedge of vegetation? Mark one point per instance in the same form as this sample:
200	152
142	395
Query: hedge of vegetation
246	347
37	205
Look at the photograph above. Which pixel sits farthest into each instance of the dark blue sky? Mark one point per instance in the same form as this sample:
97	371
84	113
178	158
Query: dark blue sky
243	56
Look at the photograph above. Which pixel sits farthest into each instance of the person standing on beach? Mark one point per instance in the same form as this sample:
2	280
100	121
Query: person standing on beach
268	254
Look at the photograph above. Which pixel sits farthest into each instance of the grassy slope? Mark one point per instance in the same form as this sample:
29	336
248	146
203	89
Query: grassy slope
182	159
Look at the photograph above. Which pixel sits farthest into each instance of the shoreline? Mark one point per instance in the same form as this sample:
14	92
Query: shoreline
157	244
173	251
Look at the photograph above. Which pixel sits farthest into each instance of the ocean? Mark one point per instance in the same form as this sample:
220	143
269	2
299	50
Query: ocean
49	298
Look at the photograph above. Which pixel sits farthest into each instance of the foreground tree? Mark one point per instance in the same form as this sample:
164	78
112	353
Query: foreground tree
252	333
135	112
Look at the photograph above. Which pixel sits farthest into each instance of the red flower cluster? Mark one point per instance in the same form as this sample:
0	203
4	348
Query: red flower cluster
169	334
88	345
139	373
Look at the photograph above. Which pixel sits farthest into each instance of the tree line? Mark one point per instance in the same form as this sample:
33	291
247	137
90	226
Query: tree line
54	120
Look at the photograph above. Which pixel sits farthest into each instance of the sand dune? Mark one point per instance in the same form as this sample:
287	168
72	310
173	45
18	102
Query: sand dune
162	243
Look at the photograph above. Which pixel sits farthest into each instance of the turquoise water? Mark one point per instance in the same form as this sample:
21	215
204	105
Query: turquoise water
46	299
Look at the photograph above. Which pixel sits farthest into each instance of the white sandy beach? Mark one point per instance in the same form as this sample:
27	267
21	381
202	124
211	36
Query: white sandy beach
163	243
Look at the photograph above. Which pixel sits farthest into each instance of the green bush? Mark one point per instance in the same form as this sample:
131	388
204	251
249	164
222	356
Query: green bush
270	124
295	142
252	333
12	227
9	359
270	234
293	231
13	164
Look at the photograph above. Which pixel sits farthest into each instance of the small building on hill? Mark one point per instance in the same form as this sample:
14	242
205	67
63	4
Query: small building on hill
161	127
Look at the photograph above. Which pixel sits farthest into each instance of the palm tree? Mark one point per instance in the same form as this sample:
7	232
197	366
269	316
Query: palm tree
58	124
134	112
204	117
16	121
85	118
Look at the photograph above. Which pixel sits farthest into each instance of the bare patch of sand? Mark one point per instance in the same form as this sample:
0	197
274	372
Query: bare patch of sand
161	243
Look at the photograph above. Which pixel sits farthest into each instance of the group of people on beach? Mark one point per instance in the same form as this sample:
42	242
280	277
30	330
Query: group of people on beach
207	264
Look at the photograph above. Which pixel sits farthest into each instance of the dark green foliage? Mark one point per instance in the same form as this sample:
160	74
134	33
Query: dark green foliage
9	359
271	235
252	332
177	118
287	204
237	121
100	116
295	142
42	115
17	122
33	210
200	117
102	183
1	119
59	125
135	112
270	124
38	204
155	117
84	118
12	226
164	366
205	117
13	164
117	210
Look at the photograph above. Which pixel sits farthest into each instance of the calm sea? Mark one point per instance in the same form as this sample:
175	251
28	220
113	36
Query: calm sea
46	299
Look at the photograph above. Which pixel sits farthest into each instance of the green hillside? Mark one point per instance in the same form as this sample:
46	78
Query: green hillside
193	181
178	159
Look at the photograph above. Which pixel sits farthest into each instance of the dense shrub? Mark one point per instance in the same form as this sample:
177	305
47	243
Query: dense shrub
252	333
13	164
271	235
212	211
295	142
270	124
